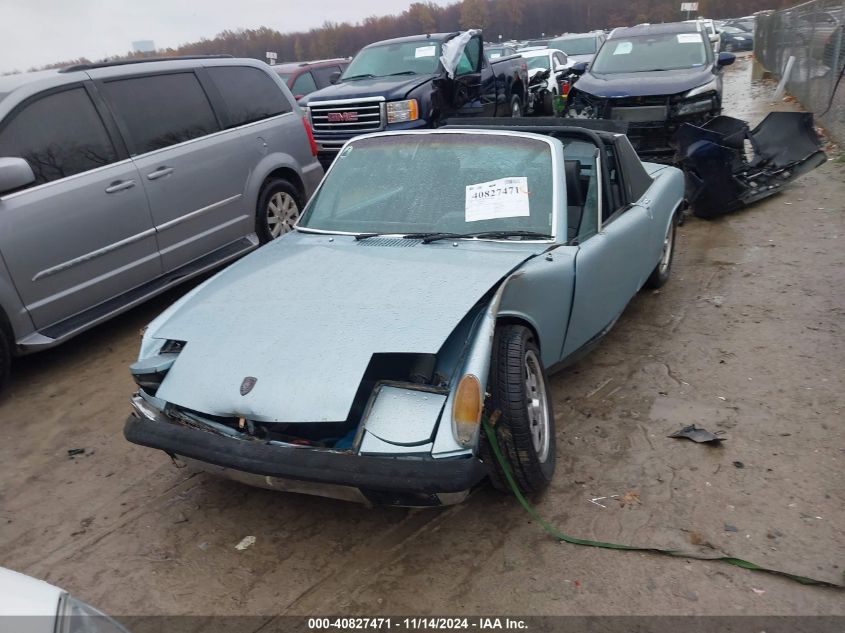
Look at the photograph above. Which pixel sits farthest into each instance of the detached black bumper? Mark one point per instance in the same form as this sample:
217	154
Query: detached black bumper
383	480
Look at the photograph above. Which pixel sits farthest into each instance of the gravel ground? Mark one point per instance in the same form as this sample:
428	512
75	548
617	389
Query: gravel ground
747	338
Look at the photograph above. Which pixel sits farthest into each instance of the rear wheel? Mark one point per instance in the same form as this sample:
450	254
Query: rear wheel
516	107
661	272
279	206
525	427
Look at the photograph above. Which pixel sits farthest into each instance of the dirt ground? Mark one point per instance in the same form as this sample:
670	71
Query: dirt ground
747	338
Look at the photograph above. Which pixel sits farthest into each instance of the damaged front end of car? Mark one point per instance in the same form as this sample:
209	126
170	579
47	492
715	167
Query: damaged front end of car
729	166
409	439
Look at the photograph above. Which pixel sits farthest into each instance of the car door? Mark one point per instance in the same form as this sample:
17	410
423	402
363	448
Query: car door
303	85
194	174
612	262
82	233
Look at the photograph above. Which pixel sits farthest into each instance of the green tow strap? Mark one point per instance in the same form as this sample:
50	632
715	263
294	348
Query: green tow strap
554	532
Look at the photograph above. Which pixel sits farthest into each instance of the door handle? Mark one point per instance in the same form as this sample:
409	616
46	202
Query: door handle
161	172
120	185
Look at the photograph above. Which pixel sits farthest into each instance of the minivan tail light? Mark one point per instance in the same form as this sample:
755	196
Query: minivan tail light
310	135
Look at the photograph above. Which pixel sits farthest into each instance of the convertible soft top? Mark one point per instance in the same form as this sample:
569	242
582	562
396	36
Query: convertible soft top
605	134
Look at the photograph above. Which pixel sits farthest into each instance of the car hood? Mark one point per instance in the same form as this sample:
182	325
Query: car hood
304	315
388	87
666	82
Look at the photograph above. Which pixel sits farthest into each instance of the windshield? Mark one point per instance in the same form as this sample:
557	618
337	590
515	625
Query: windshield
496	52
284	76
541	61
576	46
732	30
455	183
419	57
644	53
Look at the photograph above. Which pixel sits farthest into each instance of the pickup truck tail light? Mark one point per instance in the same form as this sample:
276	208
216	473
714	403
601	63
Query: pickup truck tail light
310	135
564	88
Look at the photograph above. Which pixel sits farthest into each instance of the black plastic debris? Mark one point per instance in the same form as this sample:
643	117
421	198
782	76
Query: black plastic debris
739	465
729	166
75	451
695	434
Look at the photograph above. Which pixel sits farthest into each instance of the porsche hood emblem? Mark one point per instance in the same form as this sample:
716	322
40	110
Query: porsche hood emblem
247	384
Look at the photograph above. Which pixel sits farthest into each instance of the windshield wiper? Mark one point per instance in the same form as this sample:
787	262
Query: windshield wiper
402	72
492	235
363	76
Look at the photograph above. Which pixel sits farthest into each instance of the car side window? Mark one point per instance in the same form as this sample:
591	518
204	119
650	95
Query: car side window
582	194
250	94
323	75
161	110
59	135
304	85
469	58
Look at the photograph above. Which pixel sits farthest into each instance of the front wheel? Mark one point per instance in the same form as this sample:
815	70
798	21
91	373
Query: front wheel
525	429
661	272
278	209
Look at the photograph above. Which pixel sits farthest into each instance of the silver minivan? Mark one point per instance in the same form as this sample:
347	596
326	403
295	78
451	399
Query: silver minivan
120	180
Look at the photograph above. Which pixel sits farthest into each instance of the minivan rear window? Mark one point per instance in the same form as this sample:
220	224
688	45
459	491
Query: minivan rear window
162	110
250	94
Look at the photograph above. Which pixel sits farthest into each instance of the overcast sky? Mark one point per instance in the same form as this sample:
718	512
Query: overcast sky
38	32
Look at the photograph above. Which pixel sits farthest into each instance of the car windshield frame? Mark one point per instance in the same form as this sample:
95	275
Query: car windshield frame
602	64
556	168
363	66
560	43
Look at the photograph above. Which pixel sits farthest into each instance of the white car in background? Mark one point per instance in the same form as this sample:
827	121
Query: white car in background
542	59
29	605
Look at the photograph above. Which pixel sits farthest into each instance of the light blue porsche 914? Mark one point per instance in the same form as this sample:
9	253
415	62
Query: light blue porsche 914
435	278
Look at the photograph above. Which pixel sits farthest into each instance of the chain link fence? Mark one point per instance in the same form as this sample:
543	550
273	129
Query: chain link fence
813	33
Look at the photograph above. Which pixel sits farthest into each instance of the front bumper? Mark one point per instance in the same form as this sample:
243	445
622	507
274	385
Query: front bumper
402	481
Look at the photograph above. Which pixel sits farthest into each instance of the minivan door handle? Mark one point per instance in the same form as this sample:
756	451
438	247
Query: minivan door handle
120	185
161	172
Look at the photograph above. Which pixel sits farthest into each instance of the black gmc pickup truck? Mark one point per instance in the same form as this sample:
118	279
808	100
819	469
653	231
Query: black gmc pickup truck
415	82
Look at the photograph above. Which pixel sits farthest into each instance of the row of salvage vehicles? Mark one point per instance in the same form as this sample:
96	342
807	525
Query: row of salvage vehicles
444	268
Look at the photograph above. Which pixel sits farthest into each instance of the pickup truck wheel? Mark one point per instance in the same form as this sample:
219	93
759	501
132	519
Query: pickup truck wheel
516	107
279	206
5	356
525	430
661	272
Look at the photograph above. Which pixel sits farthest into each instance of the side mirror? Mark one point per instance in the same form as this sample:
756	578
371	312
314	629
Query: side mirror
14	174
726	59
333	78
578	69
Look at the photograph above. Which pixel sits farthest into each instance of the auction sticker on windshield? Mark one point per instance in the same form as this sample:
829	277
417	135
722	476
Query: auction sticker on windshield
496	199
689	38
425	51
623	48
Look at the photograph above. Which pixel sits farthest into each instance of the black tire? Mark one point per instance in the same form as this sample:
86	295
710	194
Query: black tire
516	107
5	356
660	275
274	190
514	349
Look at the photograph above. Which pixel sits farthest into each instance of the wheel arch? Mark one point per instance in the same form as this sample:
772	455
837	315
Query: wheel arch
504	319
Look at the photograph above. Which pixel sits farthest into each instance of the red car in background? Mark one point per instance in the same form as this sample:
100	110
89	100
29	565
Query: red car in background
305	77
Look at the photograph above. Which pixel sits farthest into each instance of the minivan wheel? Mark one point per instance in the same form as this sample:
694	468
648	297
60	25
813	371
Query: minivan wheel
525	430
279	206
5	357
